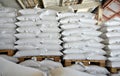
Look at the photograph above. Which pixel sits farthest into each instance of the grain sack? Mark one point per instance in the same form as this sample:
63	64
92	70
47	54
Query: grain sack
114	59
78	25
86	14
67	72
31	11
8	14
115	64
81	44
25	35
7	9
13	59
78	32
112	40
113	46
112	23
81	37
26	23
71	19
96	57
93	69
77	67
75	56
7	25
110	34
37	53
7	19
38	40
17	70
65	14
32	17
7	30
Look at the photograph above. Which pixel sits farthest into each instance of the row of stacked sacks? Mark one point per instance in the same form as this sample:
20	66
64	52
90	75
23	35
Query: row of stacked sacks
80	35
111	35
7	27
38	33
47	68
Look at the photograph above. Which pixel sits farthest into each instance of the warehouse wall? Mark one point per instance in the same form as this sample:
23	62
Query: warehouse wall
10	3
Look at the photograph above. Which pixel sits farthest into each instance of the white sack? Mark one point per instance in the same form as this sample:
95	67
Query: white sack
75	56
92	69
96	57
80	32
9	14
7	25
26	23
81	44
31	11
67	72
48	17
70	51
78	25
86	14
25	47
37	53
113	46
38	40
82	37
110	34
65	14
7	19
114	64
114	52
70	19
114	59
87	20
49	12
7	40
49	35
17	70
111	29
50	64
37	30
13	59
25	35
112	23
32	17
112	40
31	63
7	46
7	30
7	9
77	67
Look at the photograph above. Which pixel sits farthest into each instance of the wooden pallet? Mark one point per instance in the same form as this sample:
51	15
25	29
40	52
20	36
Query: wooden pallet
113	70
7	52
85	62
40	58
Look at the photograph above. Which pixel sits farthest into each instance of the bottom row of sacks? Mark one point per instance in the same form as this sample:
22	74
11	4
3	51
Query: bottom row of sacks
9	67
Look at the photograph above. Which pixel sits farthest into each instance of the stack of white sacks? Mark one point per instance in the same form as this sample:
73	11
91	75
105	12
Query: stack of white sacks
111	34
38	33
81	37
7	27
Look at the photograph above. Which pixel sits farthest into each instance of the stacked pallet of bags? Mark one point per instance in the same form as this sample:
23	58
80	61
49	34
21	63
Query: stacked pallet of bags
7	27
111	35
38	33
81	36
